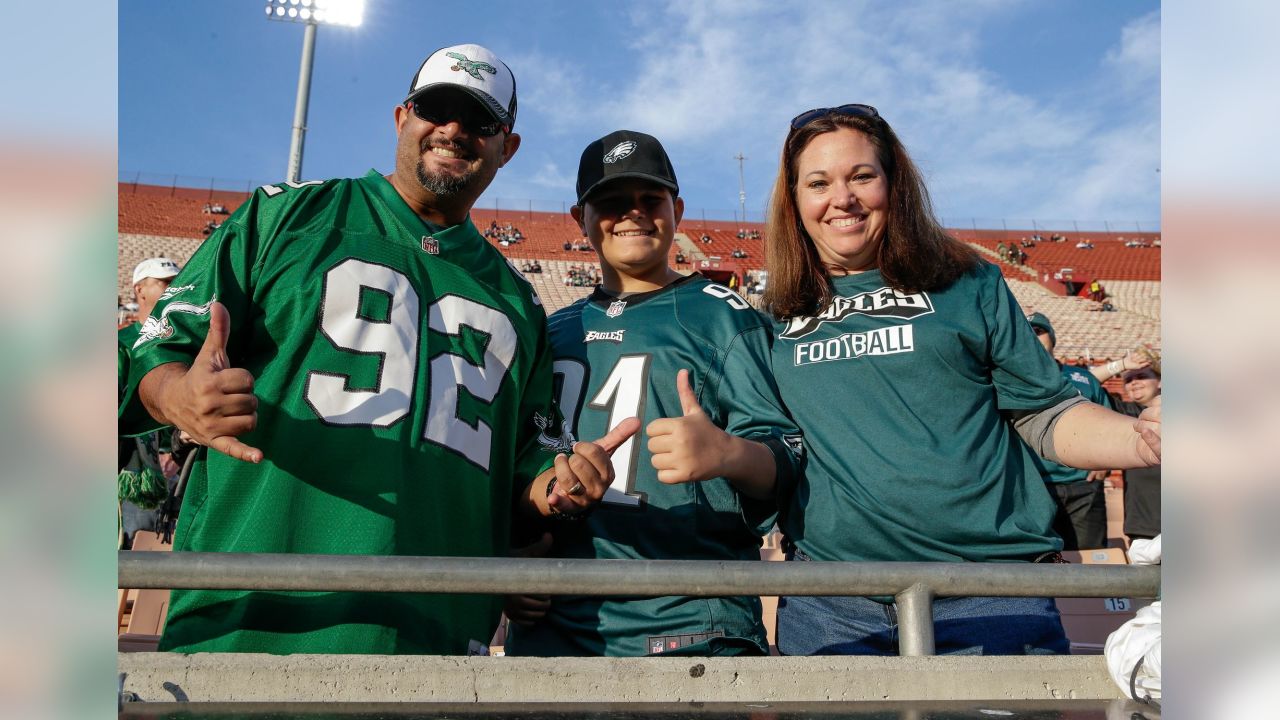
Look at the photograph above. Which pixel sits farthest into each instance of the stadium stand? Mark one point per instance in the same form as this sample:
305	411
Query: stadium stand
158	220
1109	259
1083	331
1141	297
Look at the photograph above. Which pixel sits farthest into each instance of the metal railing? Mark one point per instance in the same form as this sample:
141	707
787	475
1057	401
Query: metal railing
913	585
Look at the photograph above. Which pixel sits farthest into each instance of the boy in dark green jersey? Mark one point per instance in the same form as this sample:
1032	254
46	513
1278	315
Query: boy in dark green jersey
371	377
691	358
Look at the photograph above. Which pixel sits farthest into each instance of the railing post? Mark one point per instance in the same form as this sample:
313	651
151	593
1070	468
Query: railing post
915	621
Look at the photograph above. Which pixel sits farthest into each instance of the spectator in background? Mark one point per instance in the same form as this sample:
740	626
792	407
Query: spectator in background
1084	245
1141	485
1135	359
1002	251
1079	495
706	239
1096	293
145	464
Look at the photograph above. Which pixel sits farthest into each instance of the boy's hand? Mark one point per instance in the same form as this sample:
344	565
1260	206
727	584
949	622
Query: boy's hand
688	448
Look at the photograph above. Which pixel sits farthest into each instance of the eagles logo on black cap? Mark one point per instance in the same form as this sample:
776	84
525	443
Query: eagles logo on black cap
624	154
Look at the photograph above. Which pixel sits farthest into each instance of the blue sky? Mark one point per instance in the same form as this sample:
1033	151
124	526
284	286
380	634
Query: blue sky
1015	110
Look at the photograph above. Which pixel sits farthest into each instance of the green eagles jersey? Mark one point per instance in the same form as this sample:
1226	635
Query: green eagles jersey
910	457
617	359
143	451
1088	386
402	373
125	338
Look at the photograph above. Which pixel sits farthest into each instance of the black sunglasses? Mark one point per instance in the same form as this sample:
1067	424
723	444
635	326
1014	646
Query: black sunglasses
465	111
852	109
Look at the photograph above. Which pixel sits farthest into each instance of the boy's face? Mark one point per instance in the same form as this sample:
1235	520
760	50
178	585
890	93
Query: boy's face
1142	385
631	223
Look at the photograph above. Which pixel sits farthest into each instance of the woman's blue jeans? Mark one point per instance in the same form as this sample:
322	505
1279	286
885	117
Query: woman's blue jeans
961	626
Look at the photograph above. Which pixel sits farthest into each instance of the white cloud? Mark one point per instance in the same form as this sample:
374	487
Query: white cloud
711	79
551	176
1137	58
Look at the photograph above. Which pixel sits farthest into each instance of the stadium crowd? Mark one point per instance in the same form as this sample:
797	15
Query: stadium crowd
892	402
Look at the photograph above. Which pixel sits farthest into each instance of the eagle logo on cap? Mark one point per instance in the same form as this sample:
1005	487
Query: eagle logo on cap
619	151
471	67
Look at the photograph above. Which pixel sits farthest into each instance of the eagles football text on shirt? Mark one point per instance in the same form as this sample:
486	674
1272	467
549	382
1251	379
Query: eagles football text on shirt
902	399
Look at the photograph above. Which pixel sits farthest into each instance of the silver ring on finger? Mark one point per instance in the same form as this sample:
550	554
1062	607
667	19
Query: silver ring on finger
577	489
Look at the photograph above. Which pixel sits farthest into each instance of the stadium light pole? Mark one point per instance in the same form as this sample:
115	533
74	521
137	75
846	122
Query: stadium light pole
742	188
311	13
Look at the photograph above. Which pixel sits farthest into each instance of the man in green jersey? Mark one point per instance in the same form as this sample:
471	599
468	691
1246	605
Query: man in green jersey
691	358
371	377
145	465
1081	519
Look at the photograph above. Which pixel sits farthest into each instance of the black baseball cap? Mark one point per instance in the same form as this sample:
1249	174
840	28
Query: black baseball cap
1040	321
624	154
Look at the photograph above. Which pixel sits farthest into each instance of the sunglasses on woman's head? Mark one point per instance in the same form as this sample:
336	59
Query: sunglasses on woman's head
852	109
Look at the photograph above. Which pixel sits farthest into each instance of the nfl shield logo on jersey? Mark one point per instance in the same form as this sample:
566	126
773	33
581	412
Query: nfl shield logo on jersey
616	308
431	245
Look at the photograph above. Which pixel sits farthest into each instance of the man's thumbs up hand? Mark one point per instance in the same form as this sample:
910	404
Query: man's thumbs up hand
212	401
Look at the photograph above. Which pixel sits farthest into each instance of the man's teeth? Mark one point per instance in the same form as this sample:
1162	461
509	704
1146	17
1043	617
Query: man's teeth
445	152
632	233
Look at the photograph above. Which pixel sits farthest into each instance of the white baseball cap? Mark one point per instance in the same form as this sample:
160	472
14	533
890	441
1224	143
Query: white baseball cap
157	267
475	70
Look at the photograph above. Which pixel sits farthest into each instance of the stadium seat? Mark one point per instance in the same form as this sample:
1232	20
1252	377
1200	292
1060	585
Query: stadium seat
146	617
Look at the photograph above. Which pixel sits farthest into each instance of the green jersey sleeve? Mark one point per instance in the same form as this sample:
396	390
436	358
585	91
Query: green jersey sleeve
220	270
745	402
1025	377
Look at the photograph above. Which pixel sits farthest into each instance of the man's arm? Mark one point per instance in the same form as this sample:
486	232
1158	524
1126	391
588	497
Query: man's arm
212	401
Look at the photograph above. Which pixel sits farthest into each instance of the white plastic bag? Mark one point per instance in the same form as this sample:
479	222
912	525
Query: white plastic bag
1135	646
1145	552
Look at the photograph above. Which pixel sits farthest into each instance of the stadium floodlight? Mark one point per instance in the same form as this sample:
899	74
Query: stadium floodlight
347	13
311	13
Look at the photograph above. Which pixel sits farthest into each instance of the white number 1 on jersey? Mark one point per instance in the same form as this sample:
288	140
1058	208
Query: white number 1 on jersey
622	395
